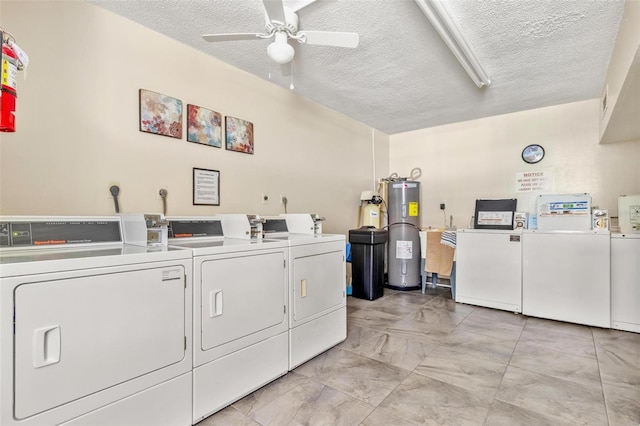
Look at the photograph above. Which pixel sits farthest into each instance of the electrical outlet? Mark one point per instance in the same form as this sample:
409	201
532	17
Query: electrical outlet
283	199
109	185
265	199
441	206
165	187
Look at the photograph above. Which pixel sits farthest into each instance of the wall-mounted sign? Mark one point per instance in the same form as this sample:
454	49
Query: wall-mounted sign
206	187
534	181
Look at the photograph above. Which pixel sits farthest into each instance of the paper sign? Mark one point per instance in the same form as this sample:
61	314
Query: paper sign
495	218
533	181
404	249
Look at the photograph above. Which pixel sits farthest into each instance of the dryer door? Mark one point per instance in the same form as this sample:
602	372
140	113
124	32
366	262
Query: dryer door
75	336
318	281
243	296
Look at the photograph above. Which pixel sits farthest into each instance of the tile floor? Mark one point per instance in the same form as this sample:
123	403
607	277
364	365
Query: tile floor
414	359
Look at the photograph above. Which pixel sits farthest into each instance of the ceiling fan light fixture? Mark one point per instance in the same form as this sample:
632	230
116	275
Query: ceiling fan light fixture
439	17
281	24
281	51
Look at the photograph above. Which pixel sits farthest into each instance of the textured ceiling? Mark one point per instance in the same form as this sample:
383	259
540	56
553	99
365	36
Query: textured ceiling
402	77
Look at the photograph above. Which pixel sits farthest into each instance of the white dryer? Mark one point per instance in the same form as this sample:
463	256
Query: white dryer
317	275
92	331
240	315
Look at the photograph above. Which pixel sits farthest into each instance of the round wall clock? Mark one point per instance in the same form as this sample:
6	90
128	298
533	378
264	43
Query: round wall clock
532	154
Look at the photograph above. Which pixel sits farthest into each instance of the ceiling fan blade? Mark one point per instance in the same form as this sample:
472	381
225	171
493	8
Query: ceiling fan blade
275	10
231	37
330	38
297	5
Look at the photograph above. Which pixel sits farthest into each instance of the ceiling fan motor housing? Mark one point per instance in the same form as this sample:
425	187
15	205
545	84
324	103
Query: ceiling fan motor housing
290	26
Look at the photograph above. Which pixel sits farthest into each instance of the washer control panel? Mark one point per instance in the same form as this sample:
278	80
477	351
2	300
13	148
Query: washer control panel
29	233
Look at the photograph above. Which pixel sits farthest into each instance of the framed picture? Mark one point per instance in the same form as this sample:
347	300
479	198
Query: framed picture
206	187
239	135
160	114
204	126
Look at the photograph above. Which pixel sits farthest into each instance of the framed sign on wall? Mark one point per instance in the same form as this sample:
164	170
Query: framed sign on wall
206	187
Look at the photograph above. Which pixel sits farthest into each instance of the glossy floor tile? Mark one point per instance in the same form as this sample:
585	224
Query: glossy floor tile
423	400
563	365
474	374
399	350
423	359
366	379
556	398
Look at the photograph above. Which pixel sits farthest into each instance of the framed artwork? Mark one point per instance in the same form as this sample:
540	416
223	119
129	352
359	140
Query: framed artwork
160	114
239	135
204	126
206	187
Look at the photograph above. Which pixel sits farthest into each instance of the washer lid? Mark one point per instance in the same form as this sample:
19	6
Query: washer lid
36	261
302	239
206	246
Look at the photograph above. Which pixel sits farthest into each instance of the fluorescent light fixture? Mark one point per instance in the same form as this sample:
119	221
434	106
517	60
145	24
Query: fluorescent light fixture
439	17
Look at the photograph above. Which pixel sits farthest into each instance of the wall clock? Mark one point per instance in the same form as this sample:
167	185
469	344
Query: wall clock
532	154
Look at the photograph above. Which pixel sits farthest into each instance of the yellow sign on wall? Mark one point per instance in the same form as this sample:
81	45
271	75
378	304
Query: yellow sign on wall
413	208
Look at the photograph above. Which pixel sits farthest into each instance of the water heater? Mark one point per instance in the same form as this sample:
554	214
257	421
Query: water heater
404	239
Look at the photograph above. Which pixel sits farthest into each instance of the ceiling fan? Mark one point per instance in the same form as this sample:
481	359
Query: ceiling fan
281	24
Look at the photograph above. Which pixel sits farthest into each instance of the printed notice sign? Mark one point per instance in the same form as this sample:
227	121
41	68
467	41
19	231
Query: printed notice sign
404	249
533	181
495	218
206	187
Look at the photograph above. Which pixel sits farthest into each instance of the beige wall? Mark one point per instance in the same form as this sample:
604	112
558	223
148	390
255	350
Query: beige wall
78	127
78	134
622	57
465	161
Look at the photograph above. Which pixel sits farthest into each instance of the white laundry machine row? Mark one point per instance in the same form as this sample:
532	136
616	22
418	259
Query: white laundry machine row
566	276
317	296
92	331
240	309
489	268
559	275
625	282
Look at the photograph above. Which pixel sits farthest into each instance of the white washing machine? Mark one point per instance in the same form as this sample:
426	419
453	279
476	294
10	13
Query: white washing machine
317	296
92	331
625	282
489	268
566	276
240	315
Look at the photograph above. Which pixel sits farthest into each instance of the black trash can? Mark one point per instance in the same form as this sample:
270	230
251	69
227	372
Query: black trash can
367	262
